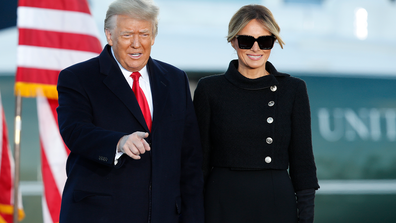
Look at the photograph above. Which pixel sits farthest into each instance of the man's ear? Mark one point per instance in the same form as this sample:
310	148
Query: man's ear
108	37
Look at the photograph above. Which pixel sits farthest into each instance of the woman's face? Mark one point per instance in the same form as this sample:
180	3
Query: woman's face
254	58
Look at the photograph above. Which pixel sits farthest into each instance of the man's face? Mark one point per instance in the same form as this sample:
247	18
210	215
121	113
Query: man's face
131	40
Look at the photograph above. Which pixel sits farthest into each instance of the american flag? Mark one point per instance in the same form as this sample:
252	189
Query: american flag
7	176
53	34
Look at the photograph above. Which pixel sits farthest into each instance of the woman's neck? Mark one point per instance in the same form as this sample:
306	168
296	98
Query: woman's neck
253	73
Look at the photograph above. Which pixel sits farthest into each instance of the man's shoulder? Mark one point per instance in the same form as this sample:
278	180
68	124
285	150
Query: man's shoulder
87	64
94	64
81	72
164	67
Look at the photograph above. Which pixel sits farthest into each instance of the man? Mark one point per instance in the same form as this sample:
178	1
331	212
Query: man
134	142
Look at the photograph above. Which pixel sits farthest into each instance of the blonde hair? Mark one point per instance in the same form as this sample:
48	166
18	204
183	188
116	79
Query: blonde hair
137	9
249	12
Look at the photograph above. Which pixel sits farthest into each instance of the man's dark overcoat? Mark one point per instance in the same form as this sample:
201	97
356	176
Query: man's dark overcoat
96	108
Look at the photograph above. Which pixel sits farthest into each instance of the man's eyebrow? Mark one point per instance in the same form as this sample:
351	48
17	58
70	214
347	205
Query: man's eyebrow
126	32
131	32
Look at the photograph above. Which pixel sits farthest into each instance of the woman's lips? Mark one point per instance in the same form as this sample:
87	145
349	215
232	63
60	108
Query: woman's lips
255	57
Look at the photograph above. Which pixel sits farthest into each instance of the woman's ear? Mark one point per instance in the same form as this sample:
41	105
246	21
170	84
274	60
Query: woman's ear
234	43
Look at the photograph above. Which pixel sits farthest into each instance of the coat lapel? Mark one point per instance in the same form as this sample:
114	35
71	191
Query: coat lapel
159	89
116	82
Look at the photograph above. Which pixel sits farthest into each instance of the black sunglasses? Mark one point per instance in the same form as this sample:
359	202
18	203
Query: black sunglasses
265	42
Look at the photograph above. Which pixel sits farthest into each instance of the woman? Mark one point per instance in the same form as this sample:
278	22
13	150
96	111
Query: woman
255	126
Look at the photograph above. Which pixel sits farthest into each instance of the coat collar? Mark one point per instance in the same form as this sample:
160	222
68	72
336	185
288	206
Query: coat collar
236	78
116	82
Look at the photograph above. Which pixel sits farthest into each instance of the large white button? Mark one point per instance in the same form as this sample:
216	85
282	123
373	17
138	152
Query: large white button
270	120
269	140
273	88
271	103
268	159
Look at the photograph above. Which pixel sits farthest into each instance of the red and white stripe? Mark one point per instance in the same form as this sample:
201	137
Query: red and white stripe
53	158
53	34
6	175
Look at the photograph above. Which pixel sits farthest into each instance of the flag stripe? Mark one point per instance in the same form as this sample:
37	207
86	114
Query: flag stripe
51	39
54	157
53	103
50	58
46	214
54	20
52	143
78	6
51	190
38	76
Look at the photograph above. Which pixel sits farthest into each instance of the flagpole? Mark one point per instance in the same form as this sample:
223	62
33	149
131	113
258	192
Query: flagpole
17	153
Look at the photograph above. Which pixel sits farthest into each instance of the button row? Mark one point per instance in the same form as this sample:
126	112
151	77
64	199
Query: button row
270	120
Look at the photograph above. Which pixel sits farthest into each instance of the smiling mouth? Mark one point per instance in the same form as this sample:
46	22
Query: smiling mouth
135	55
254	57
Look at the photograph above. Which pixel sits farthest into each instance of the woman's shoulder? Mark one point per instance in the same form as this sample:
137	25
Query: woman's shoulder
283	78
209	85
291	80
211	80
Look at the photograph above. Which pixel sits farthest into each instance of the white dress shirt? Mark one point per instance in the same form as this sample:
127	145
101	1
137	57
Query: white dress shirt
144	83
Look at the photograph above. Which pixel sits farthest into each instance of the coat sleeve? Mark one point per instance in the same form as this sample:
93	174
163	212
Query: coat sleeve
75	119
306	205
302	165
191	173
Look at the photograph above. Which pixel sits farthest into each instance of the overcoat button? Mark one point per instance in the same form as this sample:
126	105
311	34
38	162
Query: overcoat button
269	140
102	158
273	88
270	120
271	103
268	159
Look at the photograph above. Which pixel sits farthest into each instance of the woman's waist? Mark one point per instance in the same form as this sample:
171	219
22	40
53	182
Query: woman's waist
250	162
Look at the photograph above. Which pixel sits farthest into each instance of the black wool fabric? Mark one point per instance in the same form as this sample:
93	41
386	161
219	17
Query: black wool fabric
256	124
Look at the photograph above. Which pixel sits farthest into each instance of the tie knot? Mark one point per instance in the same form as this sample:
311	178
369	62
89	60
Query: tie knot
135	76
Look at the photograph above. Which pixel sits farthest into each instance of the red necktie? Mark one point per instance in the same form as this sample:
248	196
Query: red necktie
141	99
